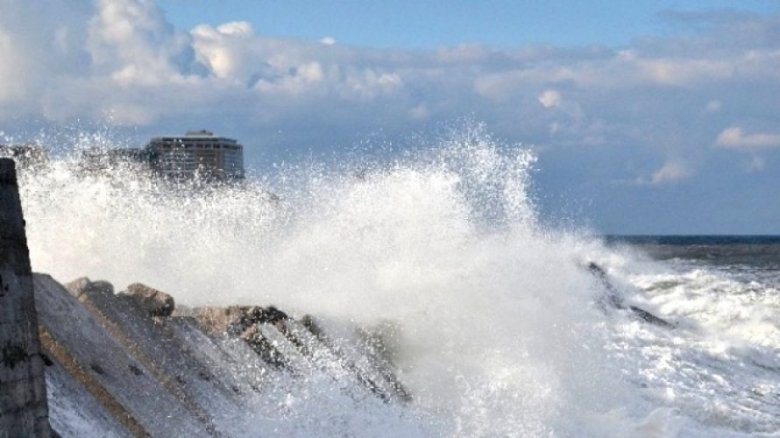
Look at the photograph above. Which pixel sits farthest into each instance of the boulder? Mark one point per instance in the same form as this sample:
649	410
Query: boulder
84	287
212	319
258	315
244	322
613	299
234	320
152	301
264	348
646	316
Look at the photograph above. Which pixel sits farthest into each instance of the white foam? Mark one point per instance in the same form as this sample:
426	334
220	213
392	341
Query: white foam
498	331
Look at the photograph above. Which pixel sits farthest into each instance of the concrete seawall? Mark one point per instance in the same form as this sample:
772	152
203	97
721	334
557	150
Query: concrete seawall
118	366
23	407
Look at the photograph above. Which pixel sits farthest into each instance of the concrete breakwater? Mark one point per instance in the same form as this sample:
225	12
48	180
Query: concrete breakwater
23	409
79	359
132	365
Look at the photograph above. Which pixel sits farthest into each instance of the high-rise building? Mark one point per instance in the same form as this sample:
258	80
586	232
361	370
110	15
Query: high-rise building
196	154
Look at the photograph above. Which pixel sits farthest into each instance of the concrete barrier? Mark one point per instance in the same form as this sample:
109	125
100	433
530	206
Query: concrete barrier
23	407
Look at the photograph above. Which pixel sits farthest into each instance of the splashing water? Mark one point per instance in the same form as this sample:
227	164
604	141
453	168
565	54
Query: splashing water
497	326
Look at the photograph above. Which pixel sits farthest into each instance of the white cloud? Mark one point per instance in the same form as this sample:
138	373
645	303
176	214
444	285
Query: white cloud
735	138
550	98
89	59
38	42
222	48
463	53
302	78
236	28
131	41
681	71
672	171
368	83
12	77
713	106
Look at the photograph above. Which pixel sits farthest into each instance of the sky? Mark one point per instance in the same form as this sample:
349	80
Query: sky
648	117
429	24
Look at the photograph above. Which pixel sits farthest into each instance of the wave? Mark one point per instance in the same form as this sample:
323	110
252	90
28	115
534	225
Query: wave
496	323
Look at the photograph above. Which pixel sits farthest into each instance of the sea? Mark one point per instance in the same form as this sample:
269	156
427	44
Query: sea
719	367
504	326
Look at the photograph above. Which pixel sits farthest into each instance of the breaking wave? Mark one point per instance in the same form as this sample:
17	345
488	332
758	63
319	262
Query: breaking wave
496	325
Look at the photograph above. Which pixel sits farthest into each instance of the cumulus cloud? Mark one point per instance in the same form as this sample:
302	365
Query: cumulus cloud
550	98
131	41
12	77
597	113
735	138
296	69
683	71
38	44
223	49
123	60
670	172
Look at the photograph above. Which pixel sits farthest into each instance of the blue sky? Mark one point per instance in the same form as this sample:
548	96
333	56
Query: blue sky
426	24
647	117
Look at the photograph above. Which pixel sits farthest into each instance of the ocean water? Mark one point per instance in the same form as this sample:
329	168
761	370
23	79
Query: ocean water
502	326
719	367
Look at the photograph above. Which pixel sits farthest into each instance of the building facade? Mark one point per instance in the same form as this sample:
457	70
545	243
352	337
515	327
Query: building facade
198	154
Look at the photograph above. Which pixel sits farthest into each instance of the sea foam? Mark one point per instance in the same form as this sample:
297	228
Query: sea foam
494	321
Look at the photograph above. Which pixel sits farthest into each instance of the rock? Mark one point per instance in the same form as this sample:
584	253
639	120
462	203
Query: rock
211	319
613	299
646	316
264	348
152	301
259	315
244	322
84	287
310	324
612	296
116	364
234	320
